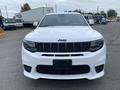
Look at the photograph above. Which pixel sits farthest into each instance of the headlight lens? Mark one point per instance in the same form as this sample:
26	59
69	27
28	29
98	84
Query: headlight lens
96	45
30	46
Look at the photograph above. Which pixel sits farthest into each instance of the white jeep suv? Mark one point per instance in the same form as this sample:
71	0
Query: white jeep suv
64	47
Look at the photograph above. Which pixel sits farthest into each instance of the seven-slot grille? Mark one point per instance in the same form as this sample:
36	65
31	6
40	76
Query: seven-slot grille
63	47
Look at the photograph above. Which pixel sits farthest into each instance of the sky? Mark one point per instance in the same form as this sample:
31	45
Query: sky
13	6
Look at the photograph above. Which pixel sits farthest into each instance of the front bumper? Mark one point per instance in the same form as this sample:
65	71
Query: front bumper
91	59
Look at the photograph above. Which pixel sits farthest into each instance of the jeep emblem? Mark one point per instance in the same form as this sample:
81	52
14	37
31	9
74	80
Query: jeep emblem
62	40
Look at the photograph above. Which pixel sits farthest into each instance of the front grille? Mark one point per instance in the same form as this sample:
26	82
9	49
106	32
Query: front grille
63	47
76	69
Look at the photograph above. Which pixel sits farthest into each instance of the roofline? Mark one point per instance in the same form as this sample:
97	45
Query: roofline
62	13
33	9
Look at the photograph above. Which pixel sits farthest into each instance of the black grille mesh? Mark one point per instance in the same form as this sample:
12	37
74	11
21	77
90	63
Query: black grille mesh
63	47
78	69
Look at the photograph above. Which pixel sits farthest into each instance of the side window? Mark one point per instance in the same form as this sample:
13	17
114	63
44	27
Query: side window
48	11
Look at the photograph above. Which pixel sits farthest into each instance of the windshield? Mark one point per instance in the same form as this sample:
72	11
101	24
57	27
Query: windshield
63	20
18	20
90	17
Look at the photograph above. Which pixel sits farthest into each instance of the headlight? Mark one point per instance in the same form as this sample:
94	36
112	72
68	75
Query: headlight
30	46
96	45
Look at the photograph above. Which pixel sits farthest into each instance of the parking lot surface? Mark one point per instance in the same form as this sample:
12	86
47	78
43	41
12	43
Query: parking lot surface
11	73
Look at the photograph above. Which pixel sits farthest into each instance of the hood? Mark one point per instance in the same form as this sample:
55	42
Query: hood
69	33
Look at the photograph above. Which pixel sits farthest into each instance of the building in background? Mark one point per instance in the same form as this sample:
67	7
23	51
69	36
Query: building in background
33	16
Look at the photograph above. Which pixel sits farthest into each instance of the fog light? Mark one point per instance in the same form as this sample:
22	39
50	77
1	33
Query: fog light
27	68
99	68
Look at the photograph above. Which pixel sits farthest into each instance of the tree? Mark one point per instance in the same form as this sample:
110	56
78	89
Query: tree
1	18
90	13
69	11
77	10
97	14
103	13
25	7
112	13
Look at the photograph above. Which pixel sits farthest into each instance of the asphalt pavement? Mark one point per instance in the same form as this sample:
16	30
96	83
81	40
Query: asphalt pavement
11	73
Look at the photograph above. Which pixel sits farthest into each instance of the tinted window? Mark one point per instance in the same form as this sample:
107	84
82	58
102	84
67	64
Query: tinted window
63	20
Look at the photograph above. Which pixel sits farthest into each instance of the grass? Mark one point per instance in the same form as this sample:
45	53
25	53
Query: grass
2	33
